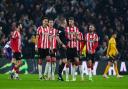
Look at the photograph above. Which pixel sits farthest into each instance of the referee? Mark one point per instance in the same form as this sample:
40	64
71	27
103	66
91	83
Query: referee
62	46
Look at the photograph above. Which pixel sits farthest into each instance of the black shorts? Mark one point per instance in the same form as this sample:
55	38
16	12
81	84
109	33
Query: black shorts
53	54
62	53
90	57
17	55
114	58
78	54
42	53
71	54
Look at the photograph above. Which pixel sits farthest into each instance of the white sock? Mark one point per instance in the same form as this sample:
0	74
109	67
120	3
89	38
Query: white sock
16	75
81	71
53	70
90	72
49	70
76	67
67	73
73	73
46	68
40	70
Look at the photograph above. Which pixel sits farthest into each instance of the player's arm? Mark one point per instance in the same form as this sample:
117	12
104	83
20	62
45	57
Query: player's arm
50	39
96	42
77	36
58	39
60	42
108	49
78	33
36	41
85	38
116	49
14	35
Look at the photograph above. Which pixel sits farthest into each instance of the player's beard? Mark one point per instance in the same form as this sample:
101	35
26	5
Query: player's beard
45	25
91	31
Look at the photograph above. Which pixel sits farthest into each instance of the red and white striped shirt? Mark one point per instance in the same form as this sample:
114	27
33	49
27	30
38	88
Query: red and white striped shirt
91	42
71	34
53	34
15	42
79	42
43	37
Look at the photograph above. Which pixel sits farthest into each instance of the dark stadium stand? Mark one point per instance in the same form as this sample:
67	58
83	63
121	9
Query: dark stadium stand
107	15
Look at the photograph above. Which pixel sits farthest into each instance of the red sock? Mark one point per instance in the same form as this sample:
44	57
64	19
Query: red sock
53	59
16	69
40	61
48	59
89	66
67	65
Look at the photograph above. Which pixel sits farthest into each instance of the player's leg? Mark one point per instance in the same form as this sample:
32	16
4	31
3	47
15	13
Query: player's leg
40	54
15	70
13	61
81	59
24	67
90	69
116	69
90	65
70	59
77	63
40	68
6	65
48	65
67	67
67	70
107	68
53	67
53	64
73	71
63	61
81	68
12	67
74	61
19	62
48	68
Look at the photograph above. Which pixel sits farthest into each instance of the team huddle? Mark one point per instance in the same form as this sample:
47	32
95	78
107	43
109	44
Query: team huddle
72	45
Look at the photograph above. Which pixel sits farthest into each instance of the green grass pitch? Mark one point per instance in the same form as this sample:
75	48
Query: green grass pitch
32	82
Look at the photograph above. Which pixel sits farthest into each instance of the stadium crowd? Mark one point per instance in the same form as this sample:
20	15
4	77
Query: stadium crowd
107	15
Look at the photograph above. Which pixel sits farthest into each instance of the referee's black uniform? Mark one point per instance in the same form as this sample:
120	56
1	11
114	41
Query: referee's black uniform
64	41
62	51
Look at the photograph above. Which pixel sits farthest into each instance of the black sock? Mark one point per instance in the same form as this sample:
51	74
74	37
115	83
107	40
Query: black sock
61	67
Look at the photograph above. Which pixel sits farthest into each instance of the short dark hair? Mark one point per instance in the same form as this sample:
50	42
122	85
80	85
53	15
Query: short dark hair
92	24
62	19
114	33
44	18
17	24
51	19
71	18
